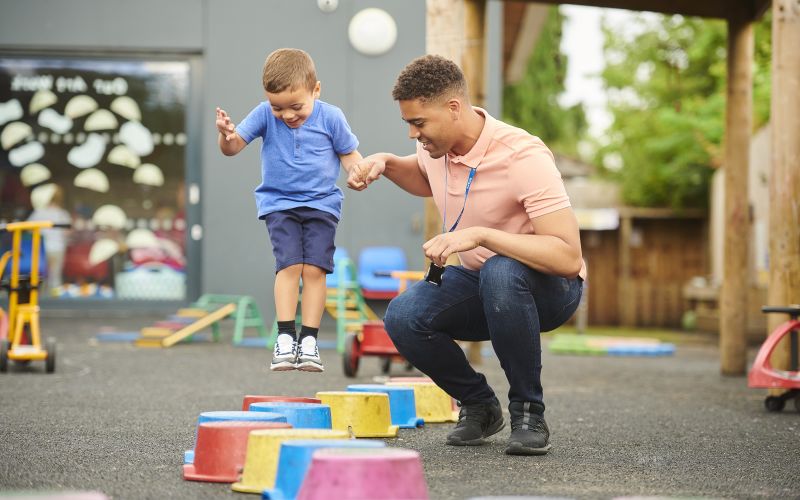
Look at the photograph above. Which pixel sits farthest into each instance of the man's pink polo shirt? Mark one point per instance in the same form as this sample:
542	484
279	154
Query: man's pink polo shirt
516	180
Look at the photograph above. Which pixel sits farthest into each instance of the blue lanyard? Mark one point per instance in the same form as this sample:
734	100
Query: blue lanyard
466	193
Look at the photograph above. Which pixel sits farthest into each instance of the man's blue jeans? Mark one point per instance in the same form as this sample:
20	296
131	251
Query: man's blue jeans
505	302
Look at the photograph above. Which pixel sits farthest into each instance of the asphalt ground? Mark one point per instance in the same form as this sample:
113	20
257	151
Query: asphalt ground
116	418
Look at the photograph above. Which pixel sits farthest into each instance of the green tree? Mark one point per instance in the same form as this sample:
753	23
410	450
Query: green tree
666	86
532	103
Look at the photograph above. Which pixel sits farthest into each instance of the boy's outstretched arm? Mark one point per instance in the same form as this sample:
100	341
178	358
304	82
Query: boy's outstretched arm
229	141
349	160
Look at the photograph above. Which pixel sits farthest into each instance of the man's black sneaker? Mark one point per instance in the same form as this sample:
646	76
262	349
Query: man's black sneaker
529	432
476	422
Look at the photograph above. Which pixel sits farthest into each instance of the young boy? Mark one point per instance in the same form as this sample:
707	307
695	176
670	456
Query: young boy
304	141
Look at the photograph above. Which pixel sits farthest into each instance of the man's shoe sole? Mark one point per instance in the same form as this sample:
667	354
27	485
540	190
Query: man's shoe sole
481	440
519	449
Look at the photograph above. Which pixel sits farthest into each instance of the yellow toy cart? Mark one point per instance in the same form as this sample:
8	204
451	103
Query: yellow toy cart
24	339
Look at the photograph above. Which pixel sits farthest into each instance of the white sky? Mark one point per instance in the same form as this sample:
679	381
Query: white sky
582	41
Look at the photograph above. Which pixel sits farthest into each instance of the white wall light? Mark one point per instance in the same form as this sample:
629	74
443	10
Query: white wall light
372	32
327	5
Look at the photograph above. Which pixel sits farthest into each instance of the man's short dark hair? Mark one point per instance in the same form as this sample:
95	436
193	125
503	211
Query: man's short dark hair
429	78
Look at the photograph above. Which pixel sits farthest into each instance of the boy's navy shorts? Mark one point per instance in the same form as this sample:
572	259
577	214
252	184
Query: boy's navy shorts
302	235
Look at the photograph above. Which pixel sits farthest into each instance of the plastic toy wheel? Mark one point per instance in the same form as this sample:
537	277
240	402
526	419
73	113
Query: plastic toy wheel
350	358
50	361
4	345
386	365
774	403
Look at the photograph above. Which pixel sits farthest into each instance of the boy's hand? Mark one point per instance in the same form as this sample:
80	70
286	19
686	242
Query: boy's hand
366	172
224	124
355	178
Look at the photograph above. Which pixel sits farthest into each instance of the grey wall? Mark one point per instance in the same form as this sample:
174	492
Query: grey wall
227	43
102	25
236	250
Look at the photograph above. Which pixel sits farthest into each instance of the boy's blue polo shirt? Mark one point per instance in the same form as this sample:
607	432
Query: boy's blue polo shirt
299	167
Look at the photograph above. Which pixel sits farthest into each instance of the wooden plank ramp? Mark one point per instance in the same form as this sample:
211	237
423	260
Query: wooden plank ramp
154	337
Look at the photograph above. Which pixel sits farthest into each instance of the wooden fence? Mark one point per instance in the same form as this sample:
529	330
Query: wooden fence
637	272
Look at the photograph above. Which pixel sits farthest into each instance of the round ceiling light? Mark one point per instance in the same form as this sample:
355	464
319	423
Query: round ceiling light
372	32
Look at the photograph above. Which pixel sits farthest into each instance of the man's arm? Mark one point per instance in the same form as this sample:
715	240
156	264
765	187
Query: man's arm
555	248
402	170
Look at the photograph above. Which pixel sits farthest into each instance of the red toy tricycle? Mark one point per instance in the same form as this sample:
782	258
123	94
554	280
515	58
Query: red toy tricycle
373	340
763	375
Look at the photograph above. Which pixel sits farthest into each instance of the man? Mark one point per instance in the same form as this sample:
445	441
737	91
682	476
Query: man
506	214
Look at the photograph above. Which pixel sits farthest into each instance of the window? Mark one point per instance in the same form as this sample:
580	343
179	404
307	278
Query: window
99	143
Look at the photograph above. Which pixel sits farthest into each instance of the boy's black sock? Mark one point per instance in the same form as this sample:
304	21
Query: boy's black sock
288	328
307	331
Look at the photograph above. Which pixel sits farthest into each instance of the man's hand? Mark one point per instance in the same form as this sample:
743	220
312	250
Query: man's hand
440	247
365	172
224	124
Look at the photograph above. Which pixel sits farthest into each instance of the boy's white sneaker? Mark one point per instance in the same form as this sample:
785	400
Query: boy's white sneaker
284	356
308	356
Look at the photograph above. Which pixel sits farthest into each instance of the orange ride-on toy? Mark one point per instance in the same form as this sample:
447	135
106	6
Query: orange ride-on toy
372	339
24	340
763	375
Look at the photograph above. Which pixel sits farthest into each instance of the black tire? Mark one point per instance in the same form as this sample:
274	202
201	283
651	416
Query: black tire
386	365
4	347
350	358
797	403
50	360
774	403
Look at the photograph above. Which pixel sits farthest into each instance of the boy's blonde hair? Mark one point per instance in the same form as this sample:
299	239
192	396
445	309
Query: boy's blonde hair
289	69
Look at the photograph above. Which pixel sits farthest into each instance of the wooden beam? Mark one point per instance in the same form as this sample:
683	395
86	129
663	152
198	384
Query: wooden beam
625	302
208	320
444	29
473	62
533	19
703	8
473	57
738	127
456	29
760	7
784	184
513	12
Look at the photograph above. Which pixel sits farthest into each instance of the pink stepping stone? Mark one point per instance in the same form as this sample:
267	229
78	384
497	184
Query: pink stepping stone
357	473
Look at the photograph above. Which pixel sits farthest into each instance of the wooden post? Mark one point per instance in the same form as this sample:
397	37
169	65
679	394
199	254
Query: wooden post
531	24
473	57
784	185
473	62
455	29
625	303
738	127
444	28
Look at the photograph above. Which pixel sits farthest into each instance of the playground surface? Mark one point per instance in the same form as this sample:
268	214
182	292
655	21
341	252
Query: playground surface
116	418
